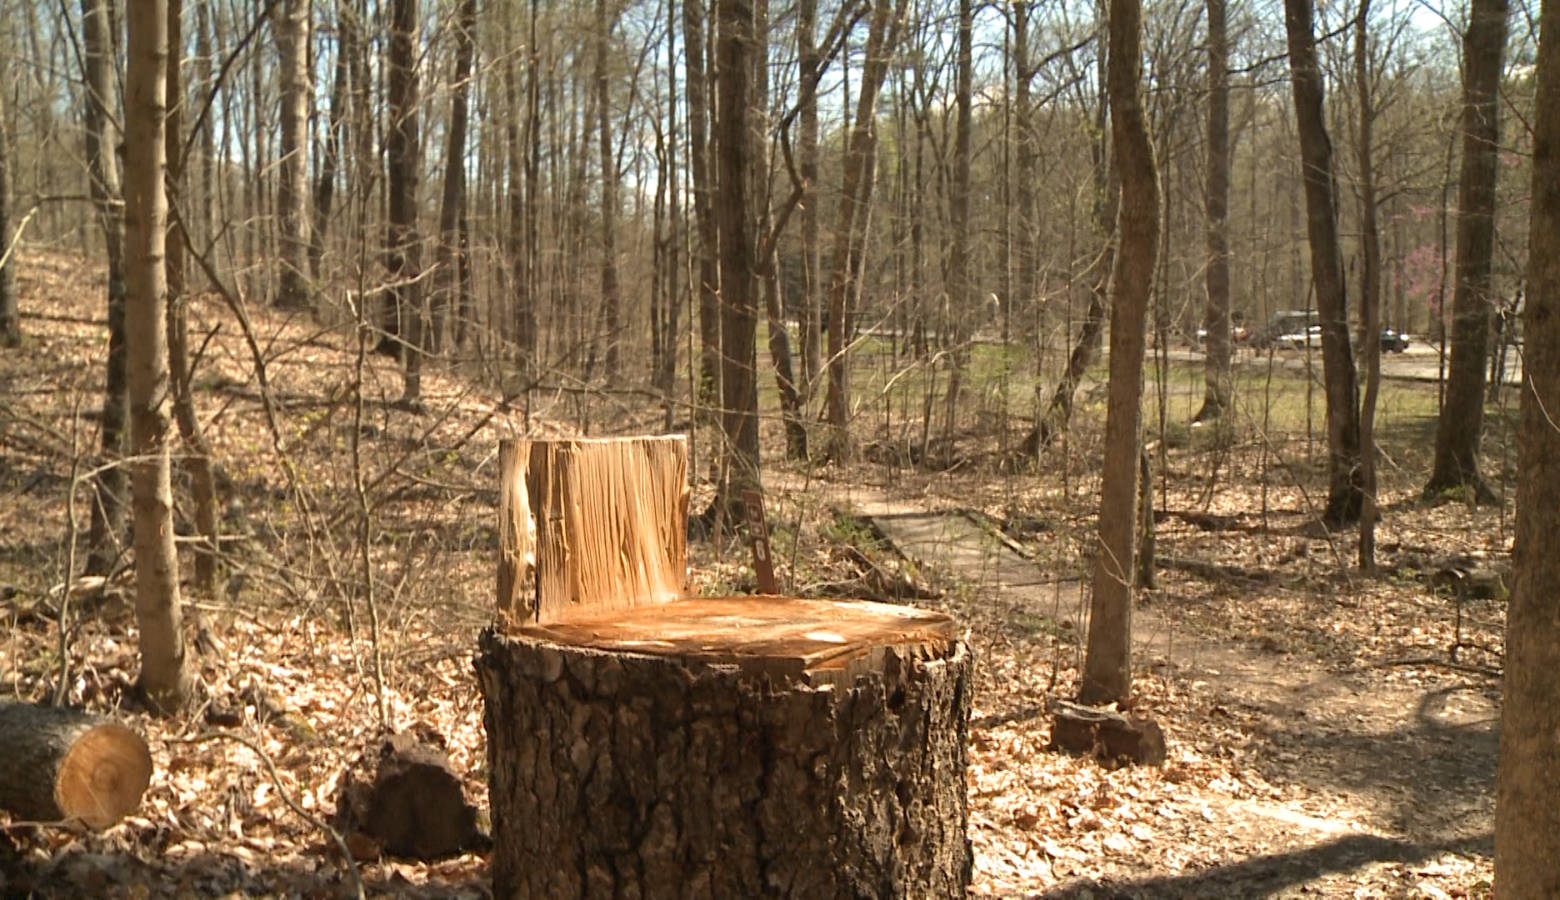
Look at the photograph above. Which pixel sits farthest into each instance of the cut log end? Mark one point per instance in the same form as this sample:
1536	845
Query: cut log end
103	775
65	764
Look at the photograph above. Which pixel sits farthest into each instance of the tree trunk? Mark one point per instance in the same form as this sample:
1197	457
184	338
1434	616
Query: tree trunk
1462	416
452	205
1216	315
961	296
611	300
850	234
403	258
734	153
1527	820
330	162
1370	290
1107	673
290	25
10	319
196	458
807	162
102	137
859	790
1344	492
65	764
709	390
165	678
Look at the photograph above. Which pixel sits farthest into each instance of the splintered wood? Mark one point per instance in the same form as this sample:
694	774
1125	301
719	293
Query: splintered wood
602	521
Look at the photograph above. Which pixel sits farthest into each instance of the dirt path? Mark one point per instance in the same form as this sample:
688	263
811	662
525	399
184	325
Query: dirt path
1371	784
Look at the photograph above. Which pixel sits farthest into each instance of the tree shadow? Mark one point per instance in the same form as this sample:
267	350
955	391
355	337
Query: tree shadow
1270	873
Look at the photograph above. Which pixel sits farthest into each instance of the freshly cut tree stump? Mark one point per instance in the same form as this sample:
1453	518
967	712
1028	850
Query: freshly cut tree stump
1107	735
649	745
63	764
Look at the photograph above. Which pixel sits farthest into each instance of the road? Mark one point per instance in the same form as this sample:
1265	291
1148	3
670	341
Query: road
1420	362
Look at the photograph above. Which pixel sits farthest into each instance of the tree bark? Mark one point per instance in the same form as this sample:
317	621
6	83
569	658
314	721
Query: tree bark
1107	673
807	163
1216	314
1527	820
961	297
1344	491
66	764
290	25
165	678
1462	415
102	137
714	782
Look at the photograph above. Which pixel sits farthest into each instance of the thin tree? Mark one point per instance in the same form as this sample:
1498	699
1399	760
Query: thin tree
102	136
810	313
961	296
403	257
1370	286
1527	819
330	160
10	319
290	25
1462	415
165	679
1345	488
611	294
707	274
196	458
1107	670
1216	202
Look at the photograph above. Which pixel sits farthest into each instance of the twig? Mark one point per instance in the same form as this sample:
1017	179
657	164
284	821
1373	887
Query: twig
276	781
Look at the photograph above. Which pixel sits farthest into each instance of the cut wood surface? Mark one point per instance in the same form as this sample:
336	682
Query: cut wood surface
784	637
66	764
610	519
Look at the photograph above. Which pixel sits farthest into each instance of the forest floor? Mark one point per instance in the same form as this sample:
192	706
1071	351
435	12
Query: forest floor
1322	740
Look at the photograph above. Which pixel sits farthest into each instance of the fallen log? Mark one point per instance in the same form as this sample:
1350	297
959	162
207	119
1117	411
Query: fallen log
64	764
1107	735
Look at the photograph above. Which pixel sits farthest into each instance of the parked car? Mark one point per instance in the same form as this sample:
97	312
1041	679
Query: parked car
1299	340
1393	341
1285	329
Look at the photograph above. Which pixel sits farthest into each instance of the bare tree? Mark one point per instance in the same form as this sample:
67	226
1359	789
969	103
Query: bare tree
1527	820
10	319
1216	315
807	156
734	156
1370	286
1462	416
290	25
403	257
1107	672
102	102
165	678
452	206
611	295
707	273
1344	492
850	233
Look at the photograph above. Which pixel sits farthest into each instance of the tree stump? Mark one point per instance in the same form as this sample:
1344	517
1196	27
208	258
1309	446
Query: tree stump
404	798
63	764
1107	735
719	747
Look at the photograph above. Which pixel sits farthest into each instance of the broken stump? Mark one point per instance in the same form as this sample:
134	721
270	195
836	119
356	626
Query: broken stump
1106	734
65	764
403	798
641	744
